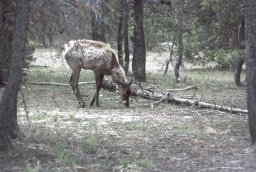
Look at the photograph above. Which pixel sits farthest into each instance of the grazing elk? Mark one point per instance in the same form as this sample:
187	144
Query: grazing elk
101	59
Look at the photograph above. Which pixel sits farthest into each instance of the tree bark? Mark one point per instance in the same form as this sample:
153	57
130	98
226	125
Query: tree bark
139	53
235	38
180	31
8	106
239	64
98	30
250	30
6	32
126	38
120	36
1	33
1	42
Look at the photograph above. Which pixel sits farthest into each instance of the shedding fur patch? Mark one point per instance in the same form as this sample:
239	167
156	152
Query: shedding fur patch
97	44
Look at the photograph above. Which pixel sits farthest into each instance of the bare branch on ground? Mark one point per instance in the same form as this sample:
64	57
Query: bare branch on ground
59	84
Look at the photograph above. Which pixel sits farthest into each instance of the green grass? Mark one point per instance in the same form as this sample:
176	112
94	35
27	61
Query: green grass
134	159
75	120
196	76
34	168
188	128
164	82
141	126
147	163
128	160
60	75
62	156
39	116
210	76
90	143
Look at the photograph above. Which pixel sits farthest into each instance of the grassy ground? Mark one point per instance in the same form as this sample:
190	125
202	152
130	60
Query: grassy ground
64	137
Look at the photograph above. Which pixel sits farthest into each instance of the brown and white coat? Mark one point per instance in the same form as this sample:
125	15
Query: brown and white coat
101	59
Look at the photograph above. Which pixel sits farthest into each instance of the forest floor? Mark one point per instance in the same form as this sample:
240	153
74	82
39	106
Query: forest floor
167	137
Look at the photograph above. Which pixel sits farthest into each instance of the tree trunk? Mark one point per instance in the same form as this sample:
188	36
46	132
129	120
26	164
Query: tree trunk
98	30
8	106
120	37
179	60
239	64
235	38
234	46
139	53
6	31
171	54
250	20
1	42
126	39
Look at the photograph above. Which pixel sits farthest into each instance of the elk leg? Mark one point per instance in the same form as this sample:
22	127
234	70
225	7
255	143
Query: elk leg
98	78
74	84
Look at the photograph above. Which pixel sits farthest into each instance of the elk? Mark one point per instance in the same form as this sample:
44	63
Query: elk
101	59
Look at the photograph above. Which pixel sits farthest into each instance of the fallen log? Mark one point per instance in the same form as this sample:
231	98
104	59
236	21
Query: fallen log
207	105
166	97
58	84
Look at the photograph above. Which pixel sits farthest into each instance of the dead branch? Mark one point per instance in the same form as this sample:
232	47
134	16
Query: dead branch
55	101
193	87
139	84
144	91
38	66
159	101
179	159
59	84
207	105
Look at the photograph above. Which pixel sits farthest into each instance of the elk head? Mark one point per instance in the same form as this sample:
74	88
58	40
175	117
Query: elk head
125	92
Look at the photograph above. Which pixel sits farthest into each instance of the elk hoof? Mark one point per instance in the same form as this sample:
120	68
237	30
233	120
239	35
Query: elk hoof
82	104
126	104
